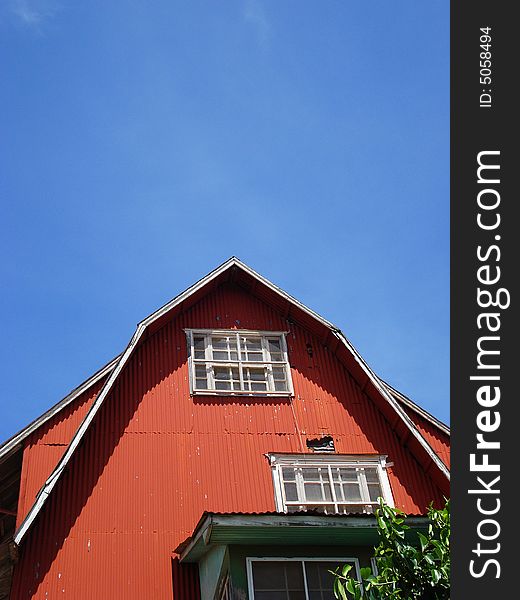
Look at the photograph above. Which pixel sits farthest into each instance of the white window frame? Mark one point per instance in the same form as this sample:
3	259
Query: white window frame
239	364
301	559
278	461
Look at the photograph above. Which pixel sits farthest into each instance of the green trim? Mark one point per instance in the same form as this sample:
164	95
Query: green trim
285	530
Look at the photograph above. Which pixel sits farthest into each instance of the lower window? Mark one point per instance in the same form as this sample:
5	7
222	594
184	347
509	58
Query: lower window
294	578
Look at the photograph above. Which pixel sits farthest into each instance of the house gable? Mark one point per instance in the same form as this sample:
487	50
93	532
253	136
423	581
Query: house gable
148	458
155	458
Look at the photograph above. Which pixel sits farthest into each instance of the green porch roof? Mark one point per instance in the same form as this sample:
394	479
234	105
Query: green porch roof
284	529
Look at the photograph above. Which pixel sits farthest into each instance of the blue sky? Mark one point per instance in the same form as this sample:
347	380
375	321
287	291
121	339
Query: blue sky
143	143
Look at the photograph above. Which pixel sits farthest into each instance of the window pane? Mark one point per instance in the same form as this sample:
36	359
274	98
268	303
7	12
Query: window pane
288	473
371	475
258	387
280	386
291	493
198	347
223	385
256	379
327	492
351	492
268	575
256	374
224	348
219	343
274	580
201	382
279	373
374	492
221	373
222	377
374	487
275	349
310	474
253	344
320	582
348	474
273	344
313	491
252	349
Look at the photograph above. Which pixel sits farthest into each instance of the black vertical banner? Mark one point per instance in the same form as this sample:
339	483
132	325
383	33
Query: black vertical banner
485	268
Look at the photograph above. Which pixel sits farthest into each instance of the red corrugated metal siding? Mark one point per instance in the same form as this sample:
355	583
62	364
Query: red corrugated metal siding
45	446
185	581
438	440
155	459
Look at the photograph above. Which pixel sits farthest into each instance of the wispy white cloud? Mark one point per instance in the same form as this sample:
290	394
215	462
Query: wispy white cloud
254	14
30	13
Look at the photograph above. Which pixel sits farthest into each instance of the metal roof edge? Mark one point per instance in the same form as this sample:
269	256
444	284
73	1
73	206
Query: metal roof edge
416	408
13	442
121	361
201	535
141	328
397	408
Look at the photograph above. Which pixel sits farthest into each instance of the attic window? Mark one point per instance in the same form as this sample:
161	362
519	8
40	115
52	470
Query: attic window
338	484
238	362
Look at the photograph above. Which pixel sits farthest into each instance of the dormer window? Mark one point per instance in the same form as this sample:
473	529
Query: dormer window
339	484
238	362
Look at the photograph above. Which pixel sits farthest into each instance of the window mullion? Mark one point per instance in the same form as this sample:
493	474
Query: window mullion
331	479
286	365
300	486
266	355
191	360
208	353
365	496
305	587
239	357
282	487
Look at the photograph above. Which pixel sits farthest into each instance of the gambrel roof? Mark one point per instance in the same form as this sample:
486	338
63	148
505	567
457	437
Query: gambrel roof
390	402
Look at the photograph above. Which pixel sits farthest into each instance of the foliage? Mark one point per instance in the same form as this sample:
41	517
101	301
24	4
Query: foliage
405	570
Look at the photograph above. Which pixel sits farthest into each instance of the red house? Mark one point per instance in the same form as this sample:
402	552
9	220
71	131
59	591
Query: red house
235	449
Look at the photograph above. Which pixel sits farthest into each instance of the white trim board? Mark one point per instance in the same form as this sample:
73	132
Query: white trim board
15	440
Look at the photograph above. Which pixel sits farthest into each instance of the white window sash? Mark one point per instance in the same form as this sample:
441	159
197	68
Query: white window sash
210	363
297	463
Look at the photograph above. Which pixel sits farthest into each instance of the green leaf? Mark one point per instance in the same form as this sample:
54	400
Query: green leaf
350	586
423	540
406	570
